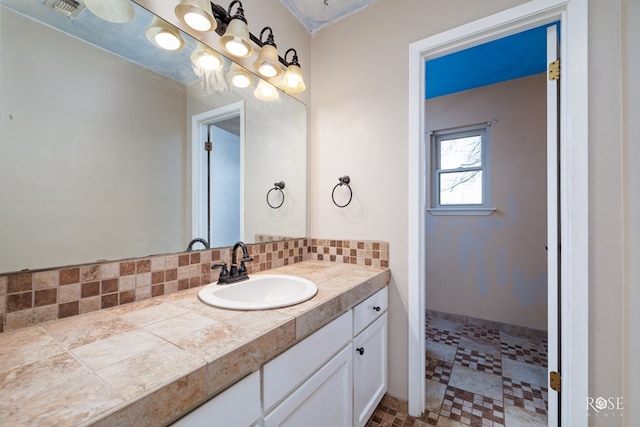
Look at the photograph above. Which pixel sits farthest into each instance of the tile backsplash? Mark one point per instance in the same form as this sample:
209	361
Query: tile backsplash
31	297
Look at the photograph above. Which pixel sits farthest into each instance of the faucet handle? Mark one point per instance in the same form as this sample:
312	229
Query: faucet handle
223	269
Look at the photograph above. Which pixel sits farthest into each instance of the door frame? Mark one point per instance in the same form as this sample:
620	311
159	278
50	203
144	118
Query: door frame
574	173
199	124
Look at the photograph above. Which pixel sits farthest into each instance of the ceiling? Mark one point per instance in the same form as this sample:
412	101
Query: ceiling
519	55
316	14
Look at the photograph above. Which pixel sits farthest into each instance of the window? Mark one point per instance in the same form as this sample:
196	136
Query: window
460	171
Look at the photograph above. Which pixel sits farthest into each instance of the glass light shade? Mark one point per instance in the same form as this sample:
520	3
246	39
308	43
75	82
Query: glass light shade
239	77
235	40
267	62
266	91
196	14
164	35
292	80
206	58
116	11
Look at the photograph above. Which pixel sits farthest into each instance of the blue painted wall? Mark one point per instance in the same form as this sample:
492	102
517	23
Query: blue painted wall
513	57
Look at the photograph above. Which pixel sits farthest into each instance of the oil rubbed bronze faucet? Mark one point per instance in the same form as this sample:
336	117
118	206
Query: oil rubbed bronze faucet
197	240
235	273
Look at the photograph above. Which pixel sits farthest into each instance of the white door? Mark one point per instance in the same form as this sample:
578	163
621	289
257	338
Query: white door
553	226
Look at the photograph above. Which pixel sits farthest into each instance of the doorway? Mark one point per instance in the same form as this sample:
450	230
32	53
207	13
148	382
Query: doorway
573	192
486	263
217	175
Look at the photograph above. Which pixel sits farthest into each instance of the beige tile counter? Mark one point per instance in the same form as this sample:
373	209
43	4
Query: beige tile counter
148	362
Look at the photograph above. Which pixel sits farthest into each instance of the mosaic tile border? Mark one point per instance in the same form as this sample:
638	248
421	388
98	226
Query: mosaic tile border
32	297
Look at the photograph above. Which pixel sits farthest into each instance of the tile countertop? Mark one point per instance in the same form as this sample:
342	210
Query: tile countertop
148	362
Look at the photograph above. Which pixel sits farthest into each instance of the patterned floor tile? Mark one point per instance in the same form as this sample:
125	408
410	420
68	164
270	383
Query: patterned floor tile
524	395
471	408
442	336
439	371
479	361
386	416
482	333
528	354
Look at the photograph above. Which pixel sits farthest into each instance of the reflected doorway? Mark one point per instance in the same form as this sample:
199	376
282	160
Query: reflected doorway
217	176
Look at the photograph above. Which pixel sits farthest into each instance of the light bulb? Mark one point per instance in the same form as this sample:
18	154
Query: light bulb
268	70
240	80
209	62
236	47
293	81
197	21
266	91
167	40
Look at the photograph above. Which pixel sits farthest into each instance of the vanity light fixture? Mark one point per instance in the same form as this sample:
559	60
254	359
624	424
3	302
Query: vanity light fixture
266	91
196	14
292	80
267	62
238	76
164	35
206	58
235	40
116	11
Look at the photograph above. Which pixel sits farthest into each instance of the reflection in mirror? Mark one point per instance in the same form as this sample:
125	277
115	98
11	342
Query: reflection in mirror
102	144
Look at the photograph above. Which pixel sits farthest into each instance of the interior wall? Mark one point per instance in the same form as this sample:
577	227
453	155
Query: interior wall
631	154
359	115
494	267
68	141
359	107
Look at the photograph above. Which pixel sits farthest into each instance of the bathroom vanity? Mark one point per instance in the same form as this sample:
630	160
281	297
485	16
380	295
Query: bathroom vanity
174	359
335	377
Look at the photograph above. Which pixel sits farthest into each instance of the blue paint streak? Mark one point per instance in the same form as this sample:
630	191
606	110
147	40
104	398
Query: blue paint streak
513	210
508	58
502	261
529	290
467	250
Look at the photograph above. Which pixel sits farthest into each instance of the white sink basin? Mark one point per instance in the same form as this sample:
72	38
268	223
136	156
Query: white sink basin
260	292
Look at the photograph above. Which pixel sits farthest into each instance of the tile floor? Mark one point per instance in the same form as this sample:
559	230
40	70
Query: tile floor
478	374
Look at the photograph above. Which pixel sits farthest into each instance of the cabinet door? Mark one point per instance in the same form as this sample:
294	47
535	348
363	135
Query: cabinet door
369	370
290	369
237	406
323	400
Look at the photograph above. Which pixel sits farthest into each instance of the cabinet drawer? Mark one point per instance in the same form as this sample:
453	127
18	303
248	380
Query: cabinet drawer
369	310
291	368
237	406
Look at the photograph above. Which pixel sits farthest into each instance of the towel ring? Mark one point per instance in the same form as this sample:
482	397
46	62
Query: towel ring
343	180
278	186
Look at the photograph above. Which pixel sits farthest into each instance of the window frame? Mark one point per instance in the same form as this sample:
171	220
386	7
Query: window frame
485	208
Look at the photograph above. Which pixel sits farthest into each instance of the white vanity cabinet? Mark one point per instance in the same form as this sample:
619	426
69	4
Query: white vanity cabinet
239	405
369	356
369	370
335	377
323	400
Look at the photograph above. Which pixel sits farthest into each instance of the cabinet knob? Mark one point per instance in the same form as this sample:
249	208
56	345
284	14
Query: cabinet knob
360	350
376	308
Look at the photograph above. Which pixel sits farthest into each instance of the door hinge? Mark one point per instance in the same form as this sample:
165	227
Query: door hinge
555	380
554	70
208	146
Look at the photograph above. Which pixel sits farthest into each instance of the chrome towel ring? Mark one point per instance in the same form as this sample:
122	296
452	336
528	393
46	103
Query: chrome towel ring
343	180
278	186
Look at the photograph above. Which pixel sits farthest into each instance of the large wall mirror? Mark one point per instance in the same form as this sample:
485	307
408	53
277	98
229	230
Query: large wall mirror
102	144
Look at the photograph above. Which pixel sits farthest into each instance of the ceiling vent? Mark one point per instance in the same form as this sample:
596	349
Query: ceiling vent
69	8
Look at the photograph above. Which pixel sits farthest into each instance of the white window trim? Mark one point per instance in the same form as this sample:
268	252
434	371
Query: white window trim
485	207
